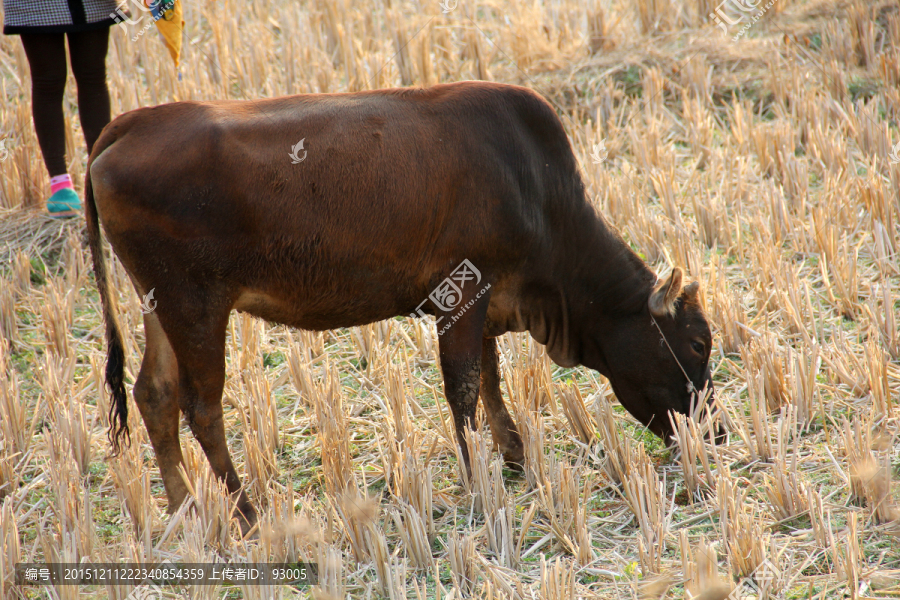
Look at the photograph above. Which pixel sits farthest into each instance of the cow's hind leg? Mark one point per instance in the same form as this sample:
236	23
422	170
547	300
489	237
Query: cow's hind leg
503	429
155	393
200	348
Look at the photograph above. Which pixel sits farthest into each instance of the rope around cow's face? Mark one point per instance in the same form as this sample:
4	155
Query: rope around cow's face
691	388
696	395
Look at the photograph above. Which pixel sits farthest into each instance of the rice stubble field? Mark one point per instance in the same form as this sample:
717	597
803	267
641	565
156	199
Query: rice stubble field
762	157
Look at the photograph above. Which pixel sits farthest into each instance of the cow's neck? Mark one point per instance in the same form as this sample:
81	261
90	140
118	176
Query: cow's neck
596	279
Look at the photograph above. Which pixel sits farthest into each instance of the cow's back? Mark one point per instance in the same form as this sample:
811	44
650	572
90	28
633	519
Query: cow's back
394	188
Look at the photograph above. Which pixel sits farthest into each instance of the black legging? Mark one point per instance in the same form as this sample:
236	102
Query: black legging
46	54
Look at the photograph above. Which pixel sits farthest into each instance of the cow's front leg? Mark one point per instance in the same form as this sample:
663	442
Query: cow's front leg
503	429
460	343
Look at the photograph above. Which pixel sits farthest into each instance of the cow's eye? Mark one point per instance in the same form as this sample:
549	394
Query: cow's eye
697	347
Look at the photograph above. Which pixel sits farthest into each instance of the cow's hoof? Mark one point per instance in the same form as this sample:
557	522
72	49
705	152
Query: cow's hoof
248	520
515	460
516	467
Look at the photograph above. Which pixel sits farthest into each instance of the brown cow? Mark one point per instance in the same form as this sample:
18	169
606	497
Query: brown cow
394	189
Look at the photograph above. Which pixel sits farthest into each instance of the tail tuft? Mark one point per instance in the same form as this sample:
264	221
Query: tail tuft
118	406
115	360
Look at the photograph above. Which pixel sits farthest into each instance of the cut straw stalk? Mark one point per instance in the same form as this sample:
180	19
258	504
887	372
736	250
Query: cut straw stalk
870	474
74	533
391	571
332	581
788	492
397	404
357	514
620	449
764	359
214	506
805	397
132	481
461	555
880	311
745	535
557	580
57	314
10	547
194	549
11	468
21	274
645	494
259	419
9	325
761	437
490	498
16	429
304	352
533	432
879	385
410	478
73	432
333	435
290	529
700	565
531	385
692	447
845	554
580	421
563	498
414	535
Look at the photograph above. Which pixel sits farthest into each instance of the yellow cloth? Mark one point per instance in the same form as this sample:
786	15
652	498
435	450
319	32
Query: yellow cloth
170	26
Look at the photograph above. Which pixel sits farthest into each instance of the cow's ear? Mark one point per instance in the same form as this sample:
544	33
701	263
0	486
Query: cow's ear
663	296
691	290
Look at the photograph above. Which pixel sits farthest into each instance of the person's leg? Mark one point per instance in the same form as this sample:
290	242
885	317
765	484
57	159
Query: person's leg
46	54
87	53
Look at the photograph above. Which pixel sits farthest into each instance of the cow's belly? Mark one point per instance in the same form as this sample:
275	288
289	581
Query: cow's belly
311	315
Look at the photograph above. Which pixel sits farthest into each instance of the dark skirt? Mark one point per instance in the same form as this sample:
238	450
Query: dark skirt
57	16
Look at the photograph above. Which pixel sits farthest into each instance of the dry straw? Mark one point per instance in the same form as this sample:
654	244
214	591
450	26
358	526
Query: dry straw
332	584
690	438
73	536
557	580
132	482
845	554
333	435
700	565
563	499
579	418
357	513
645	494
745	536
868	453
491	499
16	427
414	534
619	448
9	327
763	167
259	417
214	505
10	546
461	555
533	433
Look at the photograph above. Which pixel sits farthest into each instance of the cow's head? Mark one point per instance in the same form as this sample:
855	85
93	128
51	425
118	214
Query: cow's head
658	357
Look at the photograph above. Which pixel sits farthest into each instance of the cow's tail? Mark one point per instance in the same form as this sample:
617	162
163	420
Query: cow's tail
115	359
